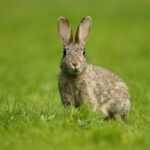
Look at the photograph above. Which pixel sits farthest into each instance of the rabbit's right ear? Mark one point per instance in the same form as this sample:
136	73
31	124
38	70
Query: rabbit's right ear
65	31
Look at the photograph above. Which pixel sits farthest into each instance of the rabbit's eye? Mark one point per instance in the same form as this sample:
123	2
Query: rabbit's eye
64	51
84	52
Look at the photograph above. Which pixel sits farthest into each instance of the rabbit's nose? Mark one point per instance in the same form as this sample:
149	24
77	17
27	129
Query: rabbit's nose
75	65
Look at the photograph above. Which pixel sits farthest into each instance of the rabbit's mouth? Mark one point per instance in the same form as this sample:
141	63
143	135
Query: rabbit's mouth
75	71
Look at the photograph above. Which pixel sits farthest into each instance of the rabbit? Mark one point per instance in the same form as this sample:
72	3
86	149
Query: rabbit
81	82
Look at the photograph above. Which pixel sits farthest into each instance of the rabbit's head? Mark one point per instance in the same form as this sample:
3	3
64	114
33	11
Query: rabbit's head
74	61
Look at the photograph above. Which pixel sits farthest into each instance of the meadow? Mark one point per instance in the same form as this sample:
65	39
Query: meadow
31	113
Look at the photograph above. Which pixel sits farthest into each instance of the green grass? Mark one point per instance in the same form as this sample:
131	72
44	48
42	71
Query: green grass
31	114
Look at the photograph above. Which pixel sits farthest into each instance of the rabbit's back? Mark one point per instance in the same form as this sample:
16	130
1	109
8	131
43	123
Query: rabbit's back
112	93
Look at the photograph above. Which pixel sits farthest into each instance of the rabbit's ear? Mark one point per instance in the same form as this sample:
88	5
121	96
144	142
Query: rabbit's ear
65	30
83	30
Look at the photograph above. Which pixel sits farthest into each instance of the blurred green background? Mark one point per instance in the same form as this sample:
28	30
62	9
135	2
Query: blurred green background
31	114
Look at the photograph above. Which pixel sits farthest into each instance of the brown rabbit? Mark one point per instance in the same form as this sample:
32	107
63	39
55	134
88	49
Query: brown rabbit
82	82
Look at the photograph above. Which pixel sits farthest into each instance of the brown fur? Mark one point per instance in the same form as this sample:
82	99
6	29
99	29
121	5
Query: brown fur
82	82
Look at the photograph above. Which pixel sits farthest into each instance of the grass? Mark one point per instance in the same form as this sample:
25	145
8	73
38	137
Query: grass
31	114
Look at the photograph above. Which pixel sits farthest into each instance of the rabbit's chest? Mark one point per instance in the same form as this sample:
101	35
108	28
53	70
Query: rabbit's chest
84	91
78	90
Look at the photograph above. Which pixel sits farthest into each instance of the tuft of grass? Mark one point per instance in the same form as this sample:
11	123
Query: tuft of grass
31	113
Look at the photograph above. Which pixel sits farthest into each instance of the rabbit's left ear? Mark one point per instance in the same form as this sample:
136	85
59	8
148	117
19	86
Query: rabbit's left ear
83	30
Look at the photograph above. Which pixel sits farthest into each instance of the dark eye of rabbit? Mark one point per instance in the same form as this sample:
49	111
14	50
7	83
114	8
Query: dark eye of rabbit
64	52
83	51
